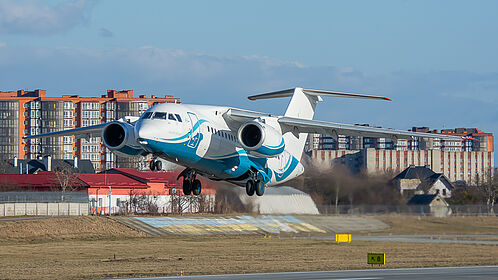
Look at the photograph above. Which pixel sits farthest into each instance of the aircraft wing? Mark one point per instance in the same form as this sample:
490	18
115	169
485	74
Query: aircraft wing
81	132
297	125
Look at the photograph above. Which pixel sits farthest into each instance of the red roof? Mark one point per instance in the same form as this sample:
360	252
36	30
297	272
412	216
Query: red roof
116	178
113	180
152	177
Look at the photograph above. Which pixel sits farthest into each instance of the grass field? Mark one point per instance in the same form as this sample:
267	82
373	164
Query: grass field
431	225
84	248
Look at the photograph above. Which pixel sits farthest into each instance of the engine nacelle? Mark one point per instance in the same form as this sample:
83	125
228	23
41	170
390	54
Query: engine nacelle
120	138
261	139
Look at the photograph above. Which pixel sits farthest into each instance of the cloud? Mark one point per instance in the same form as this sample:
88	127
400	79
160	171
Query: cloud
106	33
450	98
438	99
38	17
2	44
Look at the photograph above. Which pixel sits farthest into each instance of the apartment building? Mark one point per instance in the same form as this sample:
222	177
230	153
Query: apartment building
33	112
477	141
467	160
470	167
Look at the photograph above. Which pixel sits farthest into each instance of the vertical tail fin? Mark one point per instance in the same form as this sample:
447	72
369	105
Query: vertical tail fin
301	106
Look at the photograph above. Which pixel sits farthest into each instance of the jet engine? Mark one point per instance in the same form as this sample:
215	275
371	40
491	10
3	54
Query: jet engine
120	138
260	139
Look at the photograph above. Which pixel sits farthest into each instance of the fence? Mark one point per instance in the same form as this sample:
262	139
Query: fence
33	203
43	209
48	197
419	210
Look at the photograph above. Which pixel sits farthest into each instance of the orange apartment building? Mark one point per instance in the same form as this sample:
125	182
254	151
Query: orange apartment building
32	112
468	160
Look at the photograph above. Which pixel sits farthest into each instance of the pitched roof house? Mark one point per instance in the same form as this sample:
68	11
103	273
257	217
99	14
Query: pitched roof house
422	180
433	204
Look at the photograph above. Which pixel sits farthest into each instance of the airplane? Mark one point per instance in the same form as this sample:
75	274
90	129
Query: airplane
246	148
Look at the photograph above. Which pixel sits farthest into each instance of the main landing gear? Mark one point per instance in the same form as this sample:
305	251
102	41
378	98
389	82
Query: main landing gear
191	185
255	184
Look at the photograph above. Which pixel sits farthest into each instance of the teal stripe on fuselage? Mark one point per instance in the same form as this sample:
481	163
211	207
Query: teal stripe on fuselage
219	165
195	127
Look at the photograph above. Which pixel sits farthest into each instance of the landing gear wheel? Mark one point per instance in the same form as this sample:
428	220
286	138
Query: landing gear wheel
196	187
159	165
250	188
152	165
186	187
260	187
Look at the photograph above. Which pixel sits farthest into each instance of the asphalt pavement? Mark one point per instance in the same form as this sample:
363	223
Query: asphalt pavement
440	273
476	239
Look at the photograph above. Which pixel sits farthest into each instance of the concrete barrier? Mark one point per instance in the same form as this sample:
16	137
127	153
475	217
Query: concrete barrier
43	209
30	209
53	209
9	209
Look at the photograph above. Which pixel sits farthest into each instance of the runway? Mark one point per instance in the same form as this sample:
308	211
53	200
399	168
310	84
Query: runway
441	273
476	239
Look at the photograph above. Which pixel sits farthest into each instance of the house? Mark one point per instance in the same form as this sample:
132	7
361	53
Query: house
431	204
119	190
422	180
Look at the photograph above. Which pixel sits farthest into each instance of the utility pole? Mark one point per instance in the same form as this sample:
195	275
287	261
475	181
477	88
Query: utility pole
110	200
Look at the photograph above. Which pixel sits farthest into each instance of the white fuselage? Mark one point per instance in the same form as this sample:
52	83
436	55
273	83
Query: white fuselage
199	137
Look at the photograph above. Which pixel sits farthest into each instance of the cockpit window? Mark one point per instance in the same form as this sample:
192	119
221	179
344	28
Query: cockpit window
160	115
146	115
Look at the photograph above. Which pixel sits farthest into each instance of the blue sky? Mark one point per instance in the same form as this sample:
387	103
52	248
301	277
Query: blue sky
437	60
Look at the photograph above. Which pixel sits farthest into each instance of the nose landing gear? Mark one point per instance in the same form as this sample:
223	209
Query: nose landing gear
156	165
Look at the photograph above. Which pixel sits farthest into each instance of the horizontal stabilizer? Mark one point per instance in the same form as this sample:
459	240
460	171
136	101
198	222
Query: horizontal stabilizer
315	92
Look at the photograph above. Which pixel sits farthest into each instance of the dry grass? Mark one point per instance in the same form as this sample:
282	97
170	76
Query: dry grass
432	225
80	259
64	228
83	248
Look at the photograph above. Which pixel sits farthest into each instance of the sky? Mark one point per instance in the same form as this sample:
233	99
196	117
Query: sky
437	60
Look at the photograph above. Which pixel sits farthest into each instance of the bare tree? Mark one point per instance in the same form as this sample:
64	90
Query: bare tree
150	203
179	202
338	185
490	191
483	192
66	181
206	204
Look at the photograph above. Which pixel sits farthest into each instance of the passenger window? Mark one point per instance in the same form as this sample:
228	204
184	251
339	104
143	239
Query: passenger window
171	117
160	115
178	117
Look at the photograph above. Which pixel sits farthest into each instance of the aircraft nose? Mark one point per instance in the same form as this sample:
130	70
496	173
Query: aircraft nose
144	131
